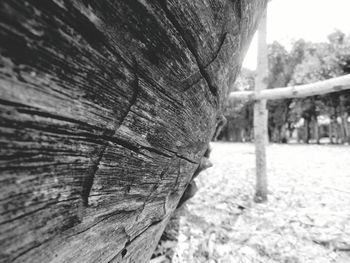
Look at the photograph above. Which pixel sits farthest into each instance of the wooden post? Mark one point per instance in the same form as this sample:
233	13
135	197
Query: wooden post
260	115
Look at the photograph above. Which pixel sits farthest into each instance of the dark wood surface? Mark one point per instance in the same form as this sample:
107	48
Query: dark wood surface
106	109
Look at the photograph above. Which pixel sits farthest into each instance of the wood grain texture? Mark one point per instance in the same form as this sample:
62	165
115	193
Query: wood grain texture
106	110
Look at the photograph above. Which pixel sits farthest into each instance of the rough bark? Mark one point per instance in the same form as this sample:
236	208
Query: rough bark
106	110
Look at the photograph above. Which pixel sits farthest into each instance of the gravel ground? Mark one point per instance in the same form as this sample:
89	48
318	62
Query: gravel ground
307	217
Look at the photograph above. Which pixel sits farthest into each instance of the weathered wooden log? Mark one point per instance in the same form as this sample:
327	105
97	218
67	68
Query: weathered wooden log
106	110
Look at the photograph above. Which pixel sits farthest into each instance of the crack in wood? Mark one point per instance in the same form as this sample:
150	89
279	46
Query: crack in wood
217	52
186	159
151	192
89	180
176	186
27	250
153	223
145	202
165	170
161	176
103	219
124	250
180	156
194	83
136	90
212	87
165	205
129	242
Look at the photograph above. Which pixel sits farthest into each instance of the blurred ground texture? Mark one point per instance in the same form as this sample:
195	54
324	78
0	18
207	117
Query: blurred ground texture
307	218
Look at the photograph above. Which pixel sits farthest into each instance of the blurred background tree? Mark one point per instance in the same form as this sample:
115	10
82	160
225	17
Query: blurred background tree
310	120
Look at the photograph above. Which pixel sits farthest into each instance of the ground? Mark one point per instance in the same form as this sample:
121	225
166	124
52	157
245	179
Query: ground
307	217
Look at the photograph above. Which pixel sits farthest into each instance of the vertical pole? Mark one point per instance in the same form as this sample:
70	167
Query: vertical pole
260	115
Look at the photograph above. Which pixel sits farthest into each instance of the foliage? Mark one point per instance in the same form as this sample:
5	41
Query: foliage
240	113
306	62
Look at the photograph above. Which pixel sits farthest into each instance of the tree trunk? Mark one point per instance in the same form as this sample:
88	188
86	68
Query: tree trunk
290	129
279	134
331	131
284	134
345	127
338	135
107	108
307	131
316	129
344	119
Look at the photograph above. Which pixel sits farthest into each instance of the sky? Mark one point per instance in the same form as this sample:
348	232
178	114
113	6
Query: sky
312	20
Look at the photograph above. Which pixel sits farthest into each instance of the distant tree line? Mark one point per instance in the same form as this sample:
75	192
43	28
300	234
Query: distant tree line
305	120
